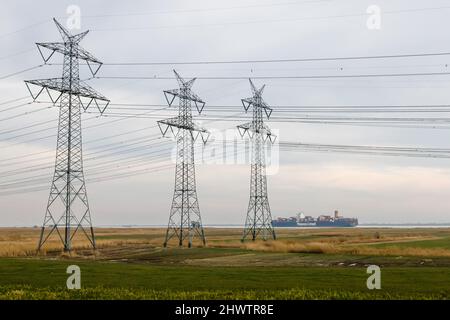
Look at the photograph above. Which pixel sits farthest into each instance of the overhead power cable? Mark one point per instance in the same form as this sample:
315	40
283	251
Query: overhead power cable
20	72
266	21
374	57
381	75
288	146
13	100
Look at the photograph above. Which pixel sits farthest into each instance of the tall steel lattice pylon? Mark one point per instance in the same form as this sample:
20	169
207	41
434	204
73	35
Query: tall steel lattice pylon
68	206
184	220
259	218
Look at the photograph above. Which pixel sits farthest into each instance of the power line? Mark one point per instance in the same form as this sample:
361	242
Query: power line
423	74
116	146
88	127
265	21
16	54
13	100
399	151
101	179
21	71
24	28
27	133
374	57
154	154
16	107
368	152
113	106
113	163
166	12
206	9
293	146
47	164
306	117
36	124
119	144
337	110
391	124
104	178
87	142
369	148
25	113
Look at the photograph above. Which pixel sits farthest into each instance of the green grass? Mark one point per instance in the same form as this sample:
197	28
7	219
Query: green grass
38	278
138	269
101	293
178	255
443	243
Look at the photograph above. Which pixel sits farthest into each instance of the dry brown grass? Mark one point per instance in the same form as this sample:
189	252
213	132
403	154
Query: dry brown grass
291	246
22	242
16	242
29	248
331	248
400	251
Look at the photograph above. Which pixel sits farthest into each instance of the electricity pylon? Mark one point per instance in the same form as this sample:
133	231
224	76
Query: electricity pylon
184	220
259	218
68	206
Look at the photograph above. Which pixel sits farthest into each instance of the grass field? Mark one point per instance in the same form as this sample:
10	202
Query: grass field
302	264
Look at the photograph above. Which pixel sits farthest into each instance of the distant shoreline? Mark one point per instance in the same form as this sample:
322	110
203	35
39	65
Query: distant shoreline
238	226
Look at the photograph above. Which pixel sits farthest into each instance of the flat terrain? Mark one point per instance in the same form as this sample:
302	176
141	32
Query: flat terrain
302	264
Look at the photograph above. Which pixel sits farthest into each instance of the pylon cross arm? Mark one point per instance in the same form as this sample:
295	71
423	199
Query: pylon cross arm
257	103
87	91
267	109
53	47
174	124
265	132
60	47
246	103
85	55
78	37
57	84
93	101
245	128
170	96
268	135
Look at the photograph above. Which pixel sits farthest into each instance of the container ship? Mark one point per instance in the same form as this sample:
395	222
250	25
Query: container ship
322	221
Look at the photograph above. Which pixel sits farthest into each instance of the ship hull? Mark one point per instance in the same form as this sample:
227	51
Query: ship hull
321	224
336	224
284	224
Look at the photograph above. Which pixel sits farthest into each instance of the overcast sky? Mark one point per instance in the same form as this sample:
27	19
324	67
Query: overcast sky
377	189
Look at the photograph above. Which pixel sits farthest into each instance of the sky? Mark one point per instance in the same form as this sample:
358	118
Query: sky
375	189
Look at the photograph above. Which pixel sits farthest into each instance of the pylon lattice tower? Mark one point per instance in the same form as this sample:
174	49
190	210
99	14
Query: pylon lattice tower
68	206
184	220
259	218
